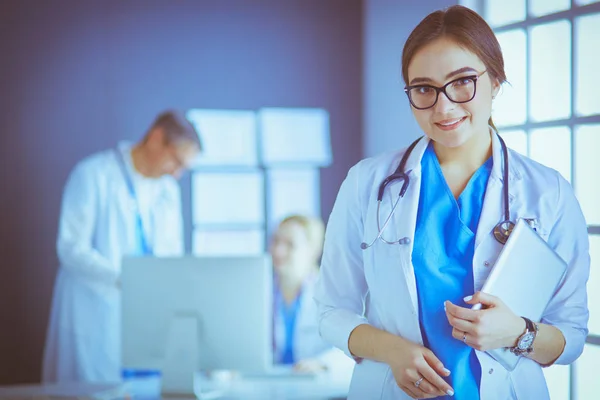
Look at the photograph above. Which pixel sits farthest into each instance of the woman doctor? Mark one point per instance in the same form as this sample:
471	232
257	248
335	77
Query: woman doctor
296	249
398	296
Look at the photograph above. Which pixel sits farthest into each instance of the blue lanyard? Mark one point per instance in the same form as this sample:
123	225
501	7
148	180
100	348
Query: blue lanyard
141	233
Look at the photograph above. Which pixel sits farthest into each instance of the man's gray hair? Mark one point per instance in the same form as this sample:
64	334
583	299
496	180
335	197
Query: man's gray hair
176	128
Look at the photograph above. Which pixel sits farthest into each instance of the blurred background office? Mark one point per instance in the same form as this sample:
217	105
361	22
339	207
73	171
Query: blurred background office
77	77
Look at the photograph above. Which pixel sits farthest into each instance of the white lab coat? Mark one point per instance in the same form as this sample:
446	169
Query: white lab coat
96	229
381	279
308	344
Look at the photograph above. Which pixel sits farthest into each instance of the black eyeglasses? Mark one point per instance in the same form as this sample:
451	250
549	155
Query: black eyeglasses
461	90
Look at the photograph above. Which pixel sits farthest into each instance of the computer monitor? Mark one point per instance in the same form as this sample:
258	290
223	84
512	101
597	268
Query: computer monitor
181	315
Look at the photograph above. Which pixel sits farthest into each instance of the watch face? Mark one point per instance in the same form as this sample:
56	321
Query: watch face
526	341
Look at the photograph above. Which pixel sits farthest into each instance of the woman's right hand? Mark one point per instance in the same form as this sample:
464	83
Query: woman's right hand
410	362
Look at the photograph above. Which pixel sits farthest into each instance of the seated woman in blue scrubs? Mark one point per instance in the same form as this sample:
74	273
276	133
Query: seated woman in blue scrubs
296	251
412	238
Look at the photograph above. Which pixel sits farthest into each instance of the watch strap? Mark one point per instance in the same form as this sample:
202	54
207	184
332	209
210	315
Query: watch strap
529	325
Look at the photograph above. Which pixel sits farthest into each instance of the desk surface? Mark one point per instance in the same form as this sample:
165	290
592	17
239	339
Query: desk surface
284	388
63	391
266	388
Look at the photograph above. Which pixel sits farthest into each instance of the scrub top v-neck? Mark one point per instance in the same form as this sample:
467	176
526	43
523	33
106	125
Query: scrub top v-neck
443	264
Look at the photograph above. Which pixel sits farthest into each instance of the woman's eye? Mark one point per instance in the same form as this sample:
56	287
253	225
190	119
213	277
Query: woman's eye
463	82
424	90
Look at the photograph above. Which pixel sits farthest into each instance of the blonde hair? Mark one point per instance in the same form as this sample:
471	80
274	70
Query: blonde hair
314	228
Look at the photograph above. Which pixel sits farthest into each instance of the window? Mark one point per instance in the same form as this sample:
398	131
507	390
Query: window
550	71
293	190
550	111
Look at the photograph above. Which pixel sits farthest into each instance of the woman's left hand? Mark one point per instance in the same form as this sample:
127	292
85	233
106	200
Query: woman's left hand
491	327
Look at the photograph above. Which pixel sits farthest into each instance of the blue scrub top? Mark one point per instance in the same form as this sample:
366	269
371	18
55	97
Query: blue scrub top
288	312
443	264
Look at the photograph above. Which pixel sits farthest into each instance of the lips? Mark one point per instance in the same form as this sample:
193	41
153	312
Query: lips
450	124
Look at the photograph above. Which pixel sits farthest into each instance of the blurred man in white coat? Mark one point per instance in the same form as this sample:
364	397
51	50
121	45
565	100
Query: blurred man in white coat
119	202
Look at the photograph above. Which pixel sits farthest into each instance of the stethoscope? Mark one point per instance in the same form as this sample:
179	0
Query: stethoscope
501	231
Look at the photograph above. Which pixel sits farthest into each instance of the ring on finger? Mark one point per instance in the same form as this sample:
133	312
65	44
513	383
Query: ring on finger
418	382
465	337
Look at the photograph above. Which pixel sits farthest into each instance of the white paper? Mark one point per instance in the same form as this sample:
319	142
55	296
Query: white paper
228	136
228	242
295	136
228	197
293	191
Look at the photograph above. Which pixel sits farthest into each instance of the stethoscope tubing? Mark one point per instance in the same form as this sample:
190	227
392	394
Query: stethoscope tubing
501	231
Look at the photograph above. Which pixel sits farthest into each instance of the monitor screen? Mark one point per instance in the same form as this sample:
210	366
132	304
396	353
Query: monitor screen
212	313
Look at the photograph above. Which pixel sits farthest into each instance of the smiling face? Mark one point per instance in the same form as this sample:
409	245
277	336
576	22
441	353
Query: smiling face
448	123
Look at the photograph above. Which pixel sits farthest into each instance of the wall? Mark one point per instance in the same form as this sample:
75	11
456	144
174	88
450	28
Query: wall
76	77
388	120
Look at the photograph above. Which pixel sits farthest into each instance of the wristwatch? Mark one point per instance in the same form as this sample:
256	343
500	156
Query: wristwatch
525	341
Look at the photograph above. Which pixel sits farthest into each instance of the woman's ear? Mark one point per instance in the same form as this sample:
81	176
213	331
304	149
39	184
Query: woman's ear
496	86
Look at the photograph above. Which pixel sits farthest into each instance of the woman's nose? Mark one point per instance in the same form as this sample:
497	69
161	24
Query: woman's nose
444	104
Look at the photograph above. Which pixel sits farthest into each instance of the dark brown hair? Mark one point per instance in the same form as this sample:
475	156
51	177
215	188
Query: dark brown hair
467	29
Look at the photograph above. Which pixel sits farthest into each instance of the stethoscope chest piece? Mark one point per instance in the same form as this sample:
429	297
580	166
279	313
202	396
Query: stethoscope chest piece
503	230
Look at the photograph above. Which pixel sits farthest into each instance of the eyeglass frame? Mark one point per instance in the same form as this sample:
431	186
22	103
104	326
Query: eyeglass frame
442	89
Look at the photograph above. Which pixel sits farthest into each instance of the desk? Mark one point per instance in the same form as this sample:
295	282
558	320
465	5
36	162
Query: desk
268	388
284	388
63	391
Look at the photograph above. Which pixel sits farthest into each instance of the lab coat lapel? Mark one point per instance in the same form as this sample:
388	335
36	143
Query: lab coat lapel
492	211
405	217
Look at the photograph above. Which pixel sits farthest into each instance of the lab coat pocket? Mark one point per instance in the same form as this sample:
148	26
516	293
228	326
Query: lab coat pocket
539	225
369	380
528	381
